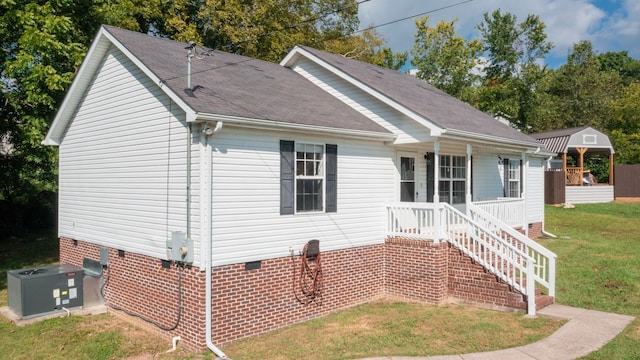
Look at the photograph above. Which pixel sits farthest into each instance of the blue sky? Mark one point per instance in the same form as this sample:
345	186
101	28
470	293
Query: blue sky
610	25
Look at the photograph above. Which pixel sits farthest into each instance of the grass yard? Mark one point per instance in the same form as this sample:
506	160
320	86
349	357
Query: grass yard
598	249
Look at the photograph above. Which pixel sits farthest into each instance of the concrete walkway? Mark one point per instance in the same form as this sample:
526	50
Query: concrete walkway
585	332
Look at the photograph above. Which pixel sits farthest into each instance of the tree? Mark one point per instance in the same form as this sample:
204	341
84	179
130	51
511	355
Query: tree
513	72
581	93
445	59
627	67
43	44
265	29
624	126
367	47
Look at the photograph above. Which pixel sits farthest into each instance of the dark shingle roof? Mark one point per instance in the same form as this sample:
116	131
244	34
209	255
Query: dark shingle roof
434	105
237	86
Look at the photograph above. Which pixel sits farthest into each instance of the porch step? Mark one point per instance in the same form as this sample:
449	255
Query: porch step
542	301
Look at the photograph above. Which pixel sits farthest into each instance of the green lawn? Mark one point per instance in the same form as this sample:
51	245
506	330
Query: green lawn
598	249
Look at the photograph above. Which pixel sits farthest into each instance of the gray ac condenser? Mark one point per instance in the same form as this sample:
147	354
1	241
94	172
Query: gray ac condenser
41	290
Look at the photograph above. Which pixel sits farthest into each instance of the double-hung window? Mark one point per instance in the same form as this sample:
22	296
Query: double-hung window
308	177
453	177
512	183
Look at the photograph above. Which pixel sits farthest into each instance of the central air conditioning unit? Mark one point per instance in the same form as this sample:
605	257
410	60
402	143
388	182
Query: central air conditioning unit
37	291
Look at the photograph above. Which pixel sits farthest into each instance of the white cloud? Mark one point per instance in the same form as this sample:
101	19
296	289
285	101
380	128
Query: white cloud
611	25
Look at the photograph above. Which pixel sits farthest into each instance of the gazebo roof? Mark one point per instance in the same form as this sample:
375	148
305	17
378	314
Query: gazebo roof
568	140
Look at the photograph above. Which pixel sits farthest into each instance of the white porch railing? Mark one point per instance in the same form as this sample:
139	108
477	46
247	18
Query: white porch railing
509	210
545	259
442	221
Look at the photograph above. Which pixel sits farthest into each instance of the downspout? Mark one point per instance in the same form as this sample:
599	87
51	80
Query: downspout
189	135
207	132
523	194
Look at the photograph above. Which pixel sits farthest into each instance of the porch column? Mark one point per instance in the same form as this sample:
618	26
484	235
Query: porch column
468	198
581	152
523	193
436	172
564	168
436	191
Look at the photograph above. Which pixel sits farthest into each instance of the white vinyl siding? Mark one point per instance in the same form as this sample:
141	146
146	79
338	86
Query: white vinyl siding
487	177
407	130
122	180
246	220
589	194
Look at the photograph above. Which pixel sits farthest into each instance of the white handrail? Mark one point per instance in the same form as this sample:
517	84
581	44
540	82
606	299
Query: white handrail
509	210
545	260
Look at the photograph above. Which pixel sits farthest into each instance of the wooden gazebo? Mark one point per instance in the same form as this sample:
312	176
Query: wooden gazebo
578	142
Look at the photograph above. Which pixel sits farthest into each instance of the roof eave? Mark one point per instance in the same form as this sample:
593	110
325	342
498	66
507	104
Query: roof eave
79	84
489	139
286	126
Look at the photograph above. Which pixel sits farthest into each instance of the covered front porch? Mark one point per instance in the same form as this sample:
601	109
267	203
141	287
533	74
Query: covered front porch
503	181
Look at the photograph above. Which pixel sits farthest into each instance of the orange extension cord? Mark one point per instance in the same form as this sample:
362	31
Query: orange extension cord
309	278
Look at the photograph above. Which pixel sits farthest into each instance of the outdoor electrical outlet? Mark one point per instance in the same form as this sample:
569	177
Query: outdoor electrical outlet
183	251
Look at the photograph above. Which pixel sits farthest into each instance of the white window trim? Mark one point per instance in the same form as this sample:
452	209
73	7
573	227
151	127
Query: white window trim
451	179
322	177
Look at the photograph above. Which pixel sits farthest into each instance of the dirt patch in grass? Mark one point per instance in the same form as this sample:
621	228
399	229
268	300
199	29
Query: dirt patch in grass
627	199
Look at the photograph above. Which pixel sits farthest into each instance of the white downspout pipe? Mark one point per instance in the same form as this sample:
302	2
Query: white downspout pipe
207	132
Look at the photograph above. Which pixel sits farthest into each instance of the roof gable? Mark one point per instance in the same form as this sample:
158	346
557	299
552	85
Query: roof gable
416	98
224	85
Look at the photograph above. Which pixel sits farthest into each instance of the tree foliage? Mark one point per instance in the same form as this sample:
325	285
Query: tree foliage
445	59
580	92
513	73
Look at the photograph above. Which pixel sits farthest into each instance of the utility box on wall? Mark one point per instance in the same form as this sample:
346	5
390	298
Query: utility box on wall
41	290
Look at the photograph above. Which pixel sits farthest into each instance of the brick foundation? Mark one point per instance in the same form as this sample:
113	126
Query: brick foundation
250	302
535	230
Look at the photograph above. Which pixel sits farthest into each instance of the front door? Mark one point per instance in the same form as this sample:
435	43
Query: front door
408	178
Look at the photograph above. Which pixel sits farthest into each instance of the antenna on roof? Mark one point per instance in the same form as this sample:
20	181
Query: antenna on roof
189	48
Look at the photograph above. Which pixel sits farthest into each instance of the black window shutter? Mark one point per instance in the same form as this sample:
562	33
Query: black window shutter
331	152
505	164
287	177
521	179
430	176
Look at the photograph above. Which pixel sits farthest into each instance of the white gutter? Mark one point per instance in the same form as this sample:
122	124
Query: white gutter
280	125
208	260
488	139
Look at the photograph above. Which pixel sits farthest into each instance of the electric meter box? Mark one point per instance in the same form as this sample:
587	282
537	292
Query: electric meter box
36	291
